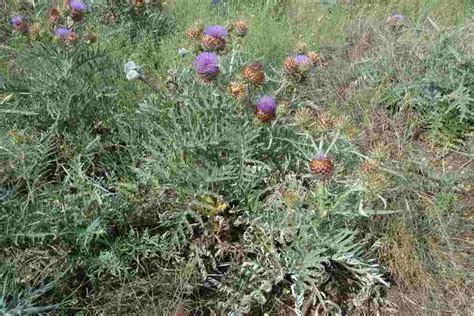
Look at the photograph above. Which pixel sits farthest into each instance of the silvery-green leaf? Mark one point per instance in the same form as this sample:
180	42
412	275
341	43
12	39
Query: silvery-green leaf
129	66
182	52
133	75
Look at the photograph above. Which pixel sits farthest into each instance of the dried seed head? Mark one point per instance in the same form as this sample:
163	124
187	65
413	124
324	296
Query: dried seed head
253	73
194	32
237	90
139	3
301	48
35	31
314	58
368	167
72	38
53	16
290	66
91	38
241	28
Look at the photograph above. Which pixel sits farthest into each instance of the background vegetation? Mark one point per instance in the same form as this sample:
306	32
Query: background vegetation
117	198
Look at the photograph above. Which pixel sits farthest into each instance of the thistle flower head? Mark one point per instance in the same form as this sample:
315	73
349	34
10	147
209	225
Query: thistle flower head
322	166
77	5
301	48
302	60
314	58
139	3
17	20
62	32
237	90
241	28
71	38
53	15
216	31
19	25
91	38
290	65
266	108
35	30
254	73
194	32
267	104
213	43
206	65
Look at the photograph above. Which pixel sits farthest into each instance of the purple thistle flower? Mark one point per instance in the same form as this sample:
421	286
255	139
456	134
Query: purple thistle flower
302	60
62	32
267	104
206	64
77	5
17	20
216	31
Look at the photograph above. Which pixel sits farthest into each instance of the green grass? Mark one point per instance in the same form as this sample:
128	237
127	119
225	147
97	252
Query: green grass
117	198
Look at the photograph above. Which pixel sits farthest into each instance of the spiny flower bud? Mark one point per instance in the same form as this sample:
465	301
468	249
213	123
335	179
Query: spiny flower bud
301	48
322	166
53	16
90	38
314	58
237	90
35	31
206	66
194	32
71	38
78	9
325	119
253	73
368	167
265	109
290	66
241	28
19	25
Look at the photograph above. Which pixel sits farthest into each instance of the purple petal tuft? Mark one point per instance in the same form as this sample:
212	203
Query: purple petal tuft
267	104
207	64
217	31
